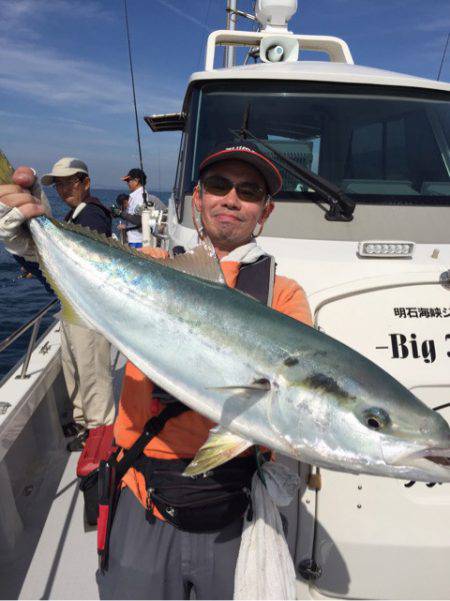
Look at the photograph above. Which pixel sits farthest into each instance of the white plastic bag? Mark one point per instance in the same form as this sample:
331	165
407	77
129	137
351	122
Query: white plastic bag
264	568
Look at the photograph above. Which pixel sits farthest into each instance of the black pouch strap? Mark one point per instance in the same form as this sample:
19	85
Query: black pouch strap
112	471
151	429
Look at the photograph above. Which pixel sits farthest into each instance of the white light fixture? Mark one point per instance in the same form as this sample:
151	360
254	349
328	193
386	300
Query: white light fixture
385	249
275	14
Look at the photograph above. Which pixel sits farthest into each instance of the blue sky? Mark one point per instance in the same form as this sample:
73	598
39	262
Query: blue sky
65	83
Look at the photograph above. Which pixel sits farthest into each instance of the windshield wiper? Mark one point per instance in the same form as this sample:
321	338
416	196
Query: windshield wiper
341	207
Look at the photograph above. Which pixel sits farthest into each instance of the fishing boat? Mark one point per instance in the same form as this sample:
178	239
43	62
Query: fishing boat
362	224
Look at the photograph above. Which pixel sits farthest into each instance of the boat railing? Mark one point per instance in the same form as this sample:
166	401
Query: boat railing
34	322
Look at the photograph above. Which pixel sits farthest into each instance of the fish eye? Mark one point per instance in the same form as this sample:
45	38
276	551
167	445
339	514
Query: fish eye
373	422
376	418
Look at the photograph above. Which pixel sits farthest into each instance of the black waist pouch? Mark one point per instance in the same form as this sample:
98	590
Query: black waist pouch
204	503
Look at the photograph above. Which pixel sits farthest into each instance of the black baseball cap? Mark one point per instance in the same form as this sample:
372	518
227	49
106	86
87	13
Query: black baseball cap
249	153
135	174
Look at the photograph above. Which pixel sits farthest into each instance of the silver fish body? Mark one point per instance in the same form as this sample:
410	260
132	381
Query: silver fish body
259	374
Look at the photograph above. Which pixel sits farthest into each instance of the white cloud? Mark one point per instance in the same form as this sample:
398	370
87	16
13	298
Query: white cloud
26	14
109	152
436	24
12	12
32	69
79	125
55	103
53	79
184	14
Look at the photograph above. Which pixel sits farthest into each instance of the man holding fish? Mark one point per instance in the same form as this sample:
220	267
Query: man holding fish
233	201
266	379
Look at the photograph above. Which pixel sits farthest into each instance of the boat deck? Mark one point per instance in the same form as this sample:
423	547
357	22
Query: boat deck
59	561
50	552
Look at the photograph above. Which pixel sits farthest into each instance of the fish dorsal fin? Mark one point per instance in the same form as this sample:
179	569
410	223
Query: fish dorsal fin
94	235
200	262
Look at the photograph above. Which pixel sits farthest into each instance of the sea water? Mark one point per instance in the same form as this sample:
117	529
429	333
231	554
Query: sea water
21	299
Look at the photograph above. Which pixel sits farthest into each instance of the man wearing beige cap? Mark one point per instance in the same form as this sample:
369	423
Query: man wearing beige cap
85	354
70	178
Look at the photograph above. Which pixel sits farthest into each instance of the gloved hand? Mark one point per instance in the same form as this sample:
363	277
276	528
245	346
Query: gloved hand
116	211
20	201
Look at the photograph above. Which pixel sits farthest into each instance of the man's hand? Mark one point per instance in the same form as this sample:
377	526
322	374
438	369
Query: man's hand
121	226
20	201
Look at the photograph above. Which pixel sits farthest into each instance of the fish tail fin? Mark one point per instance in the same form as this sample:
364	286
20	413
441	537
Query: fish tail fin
6	170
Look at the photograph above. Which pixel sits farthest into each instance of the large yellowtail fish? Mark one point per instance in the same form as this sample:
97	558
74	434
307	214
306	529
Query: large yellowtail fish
263	377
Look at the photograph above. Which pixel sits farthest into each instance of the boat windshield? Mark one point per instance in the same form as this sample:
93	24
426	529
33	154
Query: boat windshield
380	145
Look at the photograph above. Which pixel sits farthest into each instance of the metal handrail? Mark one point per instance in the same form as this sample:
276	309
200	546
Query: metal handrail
34	321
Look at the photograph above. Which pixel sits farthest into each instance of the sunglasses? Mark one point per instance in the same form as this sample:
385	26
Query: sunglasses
221	186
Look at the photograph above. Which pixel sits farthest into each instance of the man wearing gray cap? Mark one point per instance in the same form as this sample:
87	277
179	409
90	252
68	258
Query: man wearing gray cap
86	355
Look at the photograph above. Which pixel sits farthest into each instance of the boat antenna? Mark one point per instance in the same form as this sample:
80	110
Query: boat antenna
144	193
443	57
229	54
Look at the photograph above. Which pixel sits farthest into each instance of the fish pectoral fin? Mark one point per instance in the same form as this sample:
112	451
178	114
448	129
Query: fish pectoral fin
258	385
220	447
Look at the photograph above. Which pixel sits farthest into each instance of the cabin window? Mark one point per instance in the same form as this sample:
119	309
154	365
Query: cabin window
380	151
382	145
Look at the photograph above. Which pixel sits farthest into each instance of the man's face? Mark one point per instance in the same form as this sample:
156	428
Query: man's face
229	220
73	189
133	184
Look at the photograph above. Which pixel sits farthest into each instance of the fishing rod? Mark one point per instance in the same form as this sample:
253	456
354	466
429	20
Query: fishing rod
144	193
443	57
